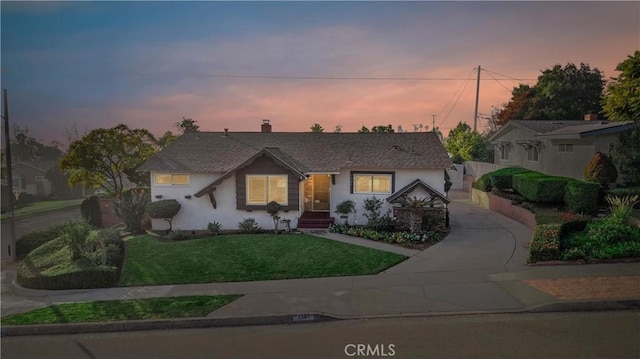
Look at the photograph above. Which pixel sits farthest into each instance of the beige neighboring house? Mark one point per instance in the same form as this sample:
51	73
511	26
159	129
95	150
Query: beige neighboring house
559	148
228	176
31	177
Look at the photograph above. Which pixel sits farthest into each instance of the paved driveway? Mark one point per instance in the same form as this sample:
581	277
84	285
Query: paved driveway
480	240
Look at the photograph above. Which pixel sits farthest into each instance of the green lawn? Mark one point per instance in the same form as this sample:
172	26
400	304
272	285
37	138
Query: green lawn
231	258
44	206
117	310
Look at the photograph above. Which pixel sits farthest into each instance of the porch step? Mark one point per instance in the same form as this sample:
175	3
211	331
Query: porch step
315	222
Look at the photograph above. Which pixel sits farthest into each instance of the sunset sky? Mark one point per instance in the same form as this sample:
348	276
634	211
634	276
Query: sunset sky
231	64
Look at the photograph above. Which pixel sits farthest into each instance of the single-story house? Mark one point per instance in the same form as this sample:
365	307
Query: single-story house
31	177
560	148
227	176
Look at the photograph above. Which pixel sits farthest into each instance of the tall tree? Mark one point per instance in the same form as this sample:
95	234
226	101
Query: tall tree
187	125
382	129
621	100
166	139
104	156
561	93
338	128
316	128
464	144
364	129
25	148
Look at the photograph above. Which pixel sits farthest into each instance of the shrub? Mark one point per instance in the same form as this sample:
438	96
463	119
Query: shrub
503	178
344	208
75	234
600	169
483	183
90	211
581	197
447	182
164	209
177	235
87	278
621	207
249	225
31	241
131	206
541	188
25	198
514	197
545	243
103	247
214	227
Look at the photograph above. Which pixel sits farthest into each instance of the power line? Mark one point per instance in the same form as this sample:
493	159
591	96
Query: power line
510	77
454	96
454	104
498	81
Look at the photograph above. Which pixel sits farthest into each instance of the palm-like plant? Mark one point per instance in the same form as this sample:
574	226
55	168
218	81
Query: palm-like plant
621	207
415	205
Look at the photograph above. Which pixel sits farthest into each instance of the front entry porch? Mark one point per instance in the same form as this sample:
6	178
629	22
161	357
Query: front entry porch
317	202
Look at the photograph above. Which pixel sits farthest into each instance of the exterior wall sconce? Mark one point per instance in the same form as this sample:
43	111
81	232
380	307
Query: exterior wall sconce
187	196
159	196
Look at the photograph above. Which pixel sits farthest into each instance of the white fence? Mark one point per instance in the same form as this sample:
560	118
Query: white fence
477	169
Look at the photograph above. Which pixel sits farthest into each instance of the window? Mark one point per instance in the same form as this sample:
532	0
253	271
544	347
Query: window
565	147
171	179
262	189
372	183
504	152
39	178
532	153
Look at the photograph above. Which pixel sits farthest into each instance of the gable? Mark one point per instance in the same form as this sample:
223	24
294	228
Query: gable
266	165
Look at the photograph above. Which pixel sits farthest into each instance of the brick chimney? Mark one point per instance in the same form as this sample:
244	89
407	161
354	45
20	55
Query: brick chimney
266	126
591	117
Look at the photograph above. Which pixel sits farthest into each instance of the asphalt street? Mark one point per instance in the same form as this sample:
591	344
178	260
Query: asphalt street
542	335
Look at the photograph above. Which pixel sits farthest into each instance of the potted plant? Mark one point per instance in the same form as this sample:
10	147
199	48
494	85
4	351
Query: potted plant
344	208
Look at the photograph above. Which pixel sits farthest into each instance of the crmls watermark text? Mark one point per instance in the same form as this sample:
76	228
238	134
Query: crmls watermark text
368	350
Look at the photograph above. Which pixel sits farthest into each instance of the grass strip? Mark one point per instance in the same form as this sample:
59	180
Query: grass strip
119	310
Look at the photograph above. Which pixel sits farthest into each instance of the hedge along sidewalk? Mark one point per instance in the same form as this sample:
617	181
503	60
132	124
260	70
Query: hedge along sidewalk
119	310
43	207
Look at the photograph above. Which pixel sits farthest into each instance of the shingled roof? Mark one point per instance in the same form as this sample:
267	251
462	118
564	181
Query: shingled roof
215	152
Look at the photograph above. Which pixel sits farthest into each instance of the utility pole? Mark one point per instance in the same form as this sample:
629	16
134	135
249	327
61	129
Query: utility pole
10	245
433	123
475	116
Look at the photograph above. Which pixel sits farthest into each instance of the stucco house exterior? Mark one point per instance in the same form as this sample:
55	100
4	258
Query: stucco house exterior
560	148
228	176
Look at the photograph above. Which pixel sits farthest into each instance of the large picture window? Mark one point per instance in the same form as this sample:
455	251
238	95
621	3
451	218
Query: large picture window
565	147
165	179
262	189
372	183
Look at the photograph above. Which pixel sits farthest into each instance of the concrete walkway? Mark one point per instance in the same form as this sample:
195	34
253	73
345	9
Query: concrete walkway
479	267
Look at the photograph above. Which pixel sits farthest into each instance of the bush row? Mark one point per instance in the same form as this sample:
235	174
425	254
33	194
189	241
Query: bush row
31	241
503	178
540	188
545	243
86	278
403	237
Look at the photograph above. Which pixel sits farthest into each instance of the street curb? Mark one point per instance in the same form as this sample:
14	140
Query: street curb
162	324
586	306
196	323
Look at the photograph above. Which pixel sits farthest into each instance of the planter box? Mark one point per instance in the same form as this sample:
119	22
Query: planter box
480	198
504	206
109	219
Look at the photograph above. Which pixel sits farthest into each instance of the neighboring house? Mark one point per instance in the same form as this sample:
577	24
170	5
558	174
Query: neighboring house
560	148
31	177
227	176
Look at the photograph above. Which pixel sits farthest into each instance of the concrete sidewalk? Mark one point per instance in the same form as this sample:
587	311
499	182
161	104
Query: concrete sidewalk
479	267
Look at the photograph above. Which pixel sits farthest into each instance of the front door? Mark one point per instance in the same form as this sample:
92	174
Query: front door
321	192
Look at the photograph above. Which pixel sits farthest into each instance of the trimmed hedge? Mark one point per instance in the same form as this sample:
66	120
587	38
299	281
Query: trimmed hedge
76	275
503	178
545	243
541	188
621	192
87	278
483	183
582	197
31	241
90	211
